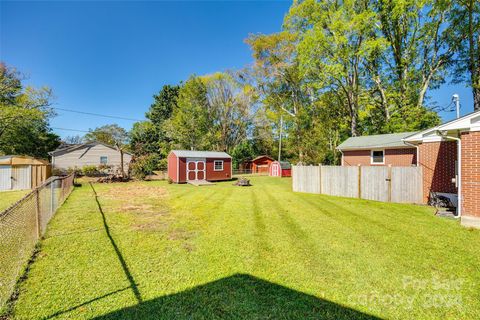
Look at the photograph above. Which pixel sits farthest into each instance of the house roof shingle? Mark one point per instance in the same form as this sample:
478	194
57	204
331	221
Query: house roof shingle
390	140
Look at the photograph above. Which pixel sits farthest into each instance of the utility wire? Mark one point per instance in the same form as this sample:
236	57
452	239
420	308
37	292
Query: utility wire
96	114
68	129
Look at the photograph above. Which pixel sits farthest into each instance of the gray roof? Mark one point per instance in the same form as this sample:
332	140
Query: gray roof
70	147
200	154
390	140
285	165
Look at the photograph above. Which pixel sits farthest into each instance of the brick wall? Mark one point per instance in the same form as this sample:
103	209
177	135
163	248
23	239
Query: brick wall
471	173
438	162
402	157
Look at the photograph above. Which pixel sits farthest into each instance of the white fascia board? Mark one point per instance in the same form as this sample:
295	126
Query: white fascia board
469	122
374	147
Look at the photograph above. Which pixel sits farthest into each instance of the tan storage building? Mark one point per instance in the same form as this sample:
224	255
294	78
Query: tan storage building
22	172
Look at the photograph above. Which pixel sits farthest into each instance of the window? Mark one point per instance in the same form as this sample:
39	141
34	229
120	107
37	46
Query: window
377	157
218	165
103	160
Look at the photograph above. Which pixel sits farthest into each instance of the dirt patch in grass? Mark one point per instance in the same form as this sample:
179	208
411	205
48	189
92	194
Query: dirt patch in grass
135	191
180	234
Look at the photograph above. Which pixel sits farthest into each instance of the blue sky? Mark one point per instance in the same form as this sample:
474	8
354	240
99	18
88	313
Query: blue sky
111	57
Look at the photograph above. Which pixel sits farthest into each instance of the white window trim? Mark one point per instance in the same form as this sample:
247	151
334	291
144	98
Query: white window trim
101	159
371	156
215	167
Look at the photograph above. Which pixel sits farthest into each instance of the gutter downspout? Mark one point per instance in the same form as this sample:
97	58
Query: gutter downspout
459	176
416	147
341	163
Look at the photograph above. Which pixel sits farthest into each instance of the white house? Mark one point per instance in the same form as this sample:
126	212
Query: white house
87	154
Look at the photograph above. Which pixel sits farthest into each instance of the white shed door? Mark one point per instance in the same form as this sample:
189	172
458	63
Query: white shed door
21	177
5	177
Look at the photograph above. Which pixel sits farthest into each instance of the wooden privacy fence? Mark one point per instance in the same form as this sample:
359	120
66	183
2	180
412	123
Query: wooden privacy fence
388	184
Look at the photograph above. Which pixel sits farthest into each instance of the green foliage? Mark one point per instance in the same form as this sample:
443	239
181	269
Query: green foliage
90	170
75	170
111	134
463	36
24	117
191	122
145	139
144	165
164	104
242	152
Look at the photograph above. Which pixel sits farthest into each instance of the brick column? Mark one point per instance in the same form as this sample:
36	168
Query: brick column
438	162
471	179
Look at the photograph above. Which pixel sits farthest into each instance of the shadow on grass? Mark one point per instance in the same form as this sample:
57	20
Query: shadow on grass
127	272
58	313
240	296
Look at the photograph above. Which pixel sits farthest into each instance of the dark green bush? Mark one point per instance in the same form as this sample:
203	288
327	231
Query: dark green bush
90	171
144	165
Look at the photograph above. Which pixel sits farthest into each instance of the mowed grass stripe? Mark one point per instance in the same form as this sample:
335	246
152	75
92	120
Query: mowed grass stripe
229	252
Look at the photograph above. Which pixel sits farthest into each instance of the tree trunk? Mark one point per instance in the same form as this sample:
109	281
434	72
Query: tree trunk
353	123
476	99
121	163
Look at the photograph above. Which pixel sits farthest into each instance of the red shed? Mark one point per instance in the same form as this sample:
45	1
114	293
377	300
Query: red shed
261	164
185	165
280	169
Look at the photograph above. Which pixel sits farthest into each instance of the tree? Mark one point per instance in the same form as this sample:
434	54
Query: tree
229	102
24	117
281	89
242	152
464	31
111	134
336	39
163	105
145	139
76	139
416	60
191	121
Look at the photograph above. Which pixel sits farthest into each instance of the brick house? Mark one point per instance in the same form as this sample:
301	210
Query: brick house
441	151
378	150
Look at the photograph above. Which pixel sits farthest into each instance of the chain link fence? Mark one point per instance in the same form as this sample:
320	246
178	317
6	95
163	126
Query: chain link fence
23	224
249	172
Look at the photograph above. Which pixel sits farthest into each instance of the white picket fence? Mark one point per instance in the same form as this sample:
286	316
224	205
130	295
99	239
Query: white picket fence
388	184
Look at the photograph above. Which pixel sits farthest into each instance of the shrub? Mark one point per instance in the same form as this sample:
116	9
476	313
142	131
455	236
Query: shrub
90	171
78	172
59	172
162	164
144	165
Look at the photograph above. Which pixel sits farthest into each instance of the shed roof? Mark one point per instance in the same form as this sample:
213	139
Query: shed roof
12	160
263	156
285	165
200	154
390	140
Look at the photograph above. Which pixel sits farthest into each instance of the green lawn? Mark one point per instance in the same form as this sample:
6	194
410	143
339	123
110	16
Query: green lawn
7	198
157	251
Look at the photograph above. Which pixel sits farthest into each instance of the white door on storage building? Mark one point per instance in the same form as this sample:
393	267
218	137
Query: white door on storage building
5	177
21	177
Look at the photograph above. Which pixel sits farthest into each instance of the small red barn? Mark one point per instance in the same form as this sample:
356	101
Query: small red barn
261	164
185	165
280	169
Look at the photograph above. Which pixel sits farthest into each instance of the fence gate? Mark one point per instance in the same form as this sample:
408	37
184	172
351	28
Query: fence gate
407	186
375	183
